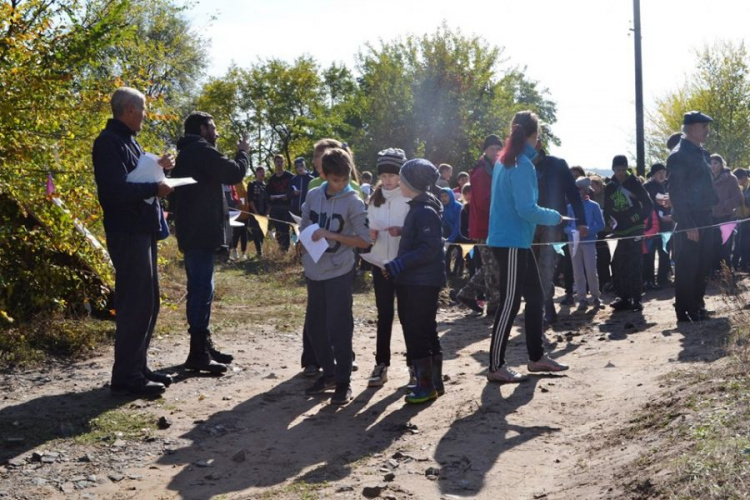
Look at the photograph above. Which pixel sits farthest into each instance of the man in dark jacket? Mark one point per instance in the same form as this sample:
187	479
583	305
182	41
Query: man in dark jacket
692	195
626	207
201	221
132	224
298	185
557	189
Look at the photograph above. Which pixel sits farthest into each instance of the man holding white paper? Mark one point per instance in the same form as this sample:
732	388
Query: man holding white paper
201	222
132	226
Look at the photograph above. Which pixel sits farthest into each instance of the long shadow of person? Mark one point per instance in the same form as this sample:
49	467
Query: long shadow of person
25	426
474	442
704	341
279	434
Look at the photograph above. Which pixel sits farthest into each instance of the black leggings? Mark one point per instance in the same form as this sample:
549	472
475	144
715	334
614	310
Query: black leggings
519	277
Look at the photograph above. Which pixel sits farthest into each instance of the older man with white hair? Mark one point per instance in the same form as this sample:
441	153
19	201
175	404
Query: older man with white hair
132	224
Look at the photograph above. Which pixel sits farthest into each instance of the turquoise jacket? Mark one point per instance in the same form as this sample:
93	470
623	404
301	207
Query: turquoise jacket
514	213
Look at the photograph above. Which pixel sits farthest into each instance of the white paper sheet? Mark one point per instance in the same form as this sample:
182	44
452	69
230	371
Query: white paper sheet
576	239
233	214
316	249
147	170
182	181
374	260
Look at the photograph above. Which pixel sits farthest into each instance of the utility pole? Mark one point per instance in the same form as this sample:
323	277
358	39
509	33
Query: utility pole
639	133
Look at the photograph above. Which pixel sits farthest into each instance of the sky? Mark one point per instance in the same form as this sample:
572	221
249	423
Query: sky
582	51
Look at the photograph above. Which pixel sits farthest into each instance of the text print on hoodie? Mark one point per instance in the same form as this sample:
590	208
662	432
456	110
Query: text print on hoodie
342	213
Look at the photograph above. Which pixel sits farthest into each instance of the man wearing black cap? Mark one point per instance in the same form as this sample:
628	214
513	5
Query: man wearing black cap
657	190
692	196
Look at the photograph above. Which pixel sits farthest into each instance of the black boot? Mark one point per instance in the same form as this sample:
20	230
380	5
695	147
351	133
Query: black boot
425	390
217	355
437	373
199	358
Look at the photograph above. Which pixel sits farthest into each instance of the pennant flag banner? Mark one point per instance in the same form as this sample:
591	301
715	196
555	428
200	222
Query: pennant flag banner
559	247
726	231
466	249
50	185
665	237
295	227
612	244
263	223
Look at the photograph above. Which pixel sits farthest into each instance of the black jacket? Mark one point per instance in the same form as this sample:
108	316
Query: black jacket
691	189
115	155
653	188
200	210
557	187
420	252
628	204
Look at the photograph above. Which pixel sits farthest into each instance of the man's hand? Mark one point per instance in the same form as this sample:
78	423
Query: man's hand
394	231
693	235
166	161
583	231
243	145
373	235
164	190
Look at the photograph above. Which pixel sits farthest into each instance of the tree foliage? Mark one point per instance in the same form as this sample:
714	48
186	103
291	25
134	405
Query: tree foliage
719	87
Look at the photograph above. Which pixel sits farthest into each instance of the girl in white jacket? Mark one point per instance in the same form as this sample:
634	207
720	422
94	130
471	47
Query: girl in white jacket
386	214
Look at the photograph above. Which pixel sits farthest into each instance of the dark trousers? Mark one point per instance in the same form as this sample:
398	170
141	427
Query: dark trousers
281	228
329	324
567	269
603	260
626	269
741	253
692	265
519	277
239	235
654	247
417	312
257	235
385	293
199	267
136	302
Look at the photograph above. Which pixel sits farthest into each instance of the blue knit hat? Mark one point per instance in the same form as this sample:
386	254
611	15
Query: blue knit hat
419	174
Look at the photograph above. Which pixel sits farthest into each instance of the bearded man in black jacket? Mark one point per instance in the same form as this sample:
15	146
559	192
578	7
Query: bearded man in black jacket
201	222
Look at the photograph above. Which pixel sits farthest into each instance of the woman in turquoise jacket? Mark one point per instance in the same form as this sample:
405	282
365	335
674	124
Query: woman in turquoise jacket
514	215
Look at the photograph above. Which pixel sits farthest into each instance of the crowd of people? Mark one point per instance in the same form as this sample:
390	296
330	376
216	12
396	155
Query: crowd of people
528	220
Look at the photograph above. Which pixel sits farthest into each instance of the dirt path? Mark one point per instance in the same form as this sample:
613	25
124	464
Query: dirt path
253	434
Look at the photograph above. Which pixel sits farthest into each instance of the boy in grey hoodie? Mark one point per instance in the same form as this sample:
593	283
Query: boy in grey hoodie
341	215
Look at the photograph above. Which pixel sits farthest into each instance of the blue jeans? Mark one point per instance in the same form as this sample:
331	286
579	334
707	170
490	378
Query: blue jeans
199	266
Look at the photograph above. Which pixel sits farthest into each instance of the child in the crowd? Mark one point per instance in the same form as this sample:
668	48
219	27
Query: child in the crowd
258	204
446	173
386	213
321	147
366	186
584	260
419	274
329	324
452	231
473	260
462	179
239	233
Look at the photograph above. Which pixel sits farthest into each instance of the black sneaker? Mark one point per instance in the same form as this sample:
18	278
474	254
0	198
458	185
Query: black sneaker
161	378
342	395
637	305
470	303
620	304
321	385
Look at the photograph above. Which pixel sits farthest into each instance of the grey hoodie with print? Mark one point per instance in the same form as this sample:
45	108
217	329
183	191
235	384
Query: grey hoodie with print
342	213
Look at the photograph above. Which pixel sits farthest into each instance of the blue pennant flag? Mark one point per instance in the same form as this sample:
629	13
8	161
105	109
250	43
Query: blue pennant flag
559	247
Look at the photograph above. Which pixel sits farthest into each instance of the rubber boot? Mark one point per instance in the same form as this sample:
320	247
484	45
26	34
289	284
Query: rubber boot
199	358
425	390
217	355
437	374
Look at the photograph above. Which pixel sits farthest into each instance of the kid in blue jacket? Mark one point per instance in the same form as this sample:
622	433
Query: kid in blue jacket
419	274
584	260
514	214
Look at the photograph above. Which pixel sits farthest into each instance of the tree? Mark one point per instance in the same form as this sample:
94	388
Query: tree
439	95
720	87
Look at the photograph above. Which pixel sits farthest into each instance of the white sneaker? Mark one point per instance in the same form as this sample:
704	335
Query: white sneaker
379	376
233	254
546	364
505	375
